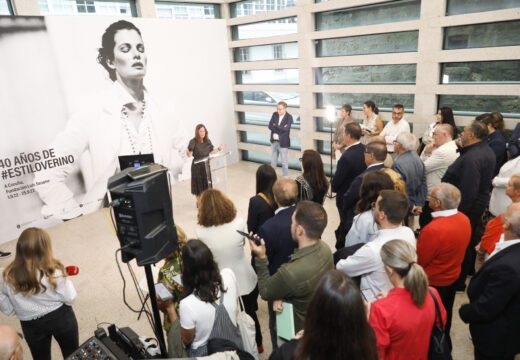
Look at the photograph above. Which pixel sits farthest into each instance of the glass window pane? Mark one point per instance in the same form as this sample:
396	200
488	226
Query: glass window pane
252	7
456	7
477	72
384	102
264	139
367	74
268	98
505	33
264	29
473	105
392	11
166	9
5	7
124	8
405	41
265	158
277	76
255	118
266	52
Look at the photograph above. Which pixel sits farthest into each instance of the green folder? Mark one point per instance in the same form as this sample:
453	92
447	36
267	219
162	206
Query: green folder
285	322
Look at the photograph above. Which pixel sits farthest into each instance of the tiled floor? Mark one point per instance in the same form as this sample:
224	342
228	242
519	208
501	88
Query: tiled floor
90	243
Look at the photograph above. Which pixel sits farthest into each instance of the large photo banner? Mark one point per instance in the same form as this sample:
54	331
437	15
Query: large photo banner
77	93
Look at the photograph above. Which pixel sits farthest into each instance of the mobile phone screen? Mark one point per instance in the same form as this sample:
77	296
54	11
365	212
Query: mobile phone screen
163	293
256	240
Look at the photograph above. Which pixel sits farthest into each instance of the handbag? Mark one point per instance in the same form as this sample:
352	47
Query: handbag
247	329
439	348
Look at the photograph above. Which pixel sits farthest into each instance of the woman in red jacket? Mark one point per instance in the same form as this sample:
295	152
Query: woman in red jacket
403	318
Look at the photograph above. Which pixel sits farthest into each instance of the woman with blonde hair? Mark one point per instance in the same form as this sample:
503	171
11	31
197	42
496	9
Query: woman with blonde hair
399	184
403	319
35	288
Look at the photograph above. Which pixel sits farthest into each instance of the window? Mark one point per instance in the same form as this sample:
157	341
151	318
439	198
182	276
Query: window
505	33
252	7
166	9
388	12
265	139
278	76
368	74
264	158
266	52
456	7
123	8
384	102
6	8
264	29
405	41
265	98
473	105
255	118
478	72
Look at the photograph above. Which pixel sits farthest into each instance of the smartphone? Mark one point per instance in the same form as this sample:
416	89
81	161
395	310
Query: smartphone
368	295
255	239
163	293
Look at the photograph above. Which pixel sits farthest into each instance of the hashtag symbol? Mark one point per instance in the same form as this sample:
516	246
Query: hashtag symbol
4	174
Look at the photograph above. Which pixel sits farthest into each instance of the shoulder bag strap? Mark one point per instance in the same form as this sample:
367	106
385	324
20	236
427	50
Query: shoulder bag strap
266	200
437	311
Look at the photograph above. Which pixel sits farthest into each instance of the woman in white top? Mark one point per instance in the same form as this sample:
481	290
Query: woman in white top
444	116
217	229
34	287
203	286
499	200
372	123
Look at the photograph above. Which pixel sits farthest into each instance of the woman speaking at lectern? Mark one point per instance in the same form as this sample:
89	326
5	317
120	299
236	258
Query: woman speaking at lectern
200	147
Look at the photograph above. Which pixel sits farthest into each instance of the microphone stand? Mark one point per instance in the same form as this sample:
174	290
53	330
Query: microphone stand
155	309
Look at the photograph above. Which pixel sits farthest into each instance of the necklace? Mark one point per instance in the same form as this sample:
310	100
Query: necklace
133	141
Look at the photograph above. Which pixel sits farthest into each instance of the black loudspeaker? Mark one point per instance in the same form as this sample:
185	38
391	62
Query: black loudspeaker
143	213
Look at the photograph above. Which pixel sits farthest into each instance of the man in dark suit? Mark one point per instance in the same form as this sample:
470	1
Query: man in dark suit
472	173
375	154
493	313
514	142
276	233
280	126
350	164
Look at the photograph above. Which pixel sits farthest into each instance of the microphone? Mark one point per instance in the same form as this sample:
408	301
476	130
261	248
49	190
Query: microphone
72	270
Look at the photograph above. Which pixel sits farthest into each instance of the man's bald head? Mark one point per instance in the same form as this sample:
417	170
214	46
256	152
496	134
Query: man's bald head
10	347
285	191
511	222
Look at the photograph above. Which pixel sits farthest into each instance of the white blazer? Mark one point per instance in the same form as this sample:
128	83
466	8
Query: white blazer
438	162
227	247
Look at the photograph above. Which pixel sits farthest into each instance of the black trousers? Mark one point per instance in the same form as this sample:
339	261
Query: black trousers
426	216
60	323
447	294
251	306
468	264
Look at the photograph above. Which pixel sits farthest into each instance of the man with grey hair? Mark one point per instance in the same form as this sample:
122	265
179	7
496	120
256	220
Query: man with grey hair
437	157
472	173
412	170
493	311
442	244
10	347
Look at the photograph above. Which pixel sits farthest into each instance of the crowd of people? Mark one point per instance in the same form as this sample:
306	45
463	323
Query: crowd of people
378	296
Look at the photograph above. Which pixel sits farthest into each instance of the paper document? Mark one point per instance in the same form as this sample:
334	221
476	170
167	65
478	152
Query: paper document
285	322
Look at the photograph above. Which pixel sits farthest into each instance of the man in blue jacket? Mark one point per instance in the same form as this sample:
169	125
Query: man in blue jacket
280	126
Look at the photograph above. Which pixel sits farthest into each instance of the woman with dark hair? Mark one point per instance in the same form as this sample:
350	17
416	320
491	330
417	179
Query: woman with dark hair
312	184
403	319
204	285
372	123
496	141
262	205
335	326
338	143
200	147
123	119
217	229
35	288
364	228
